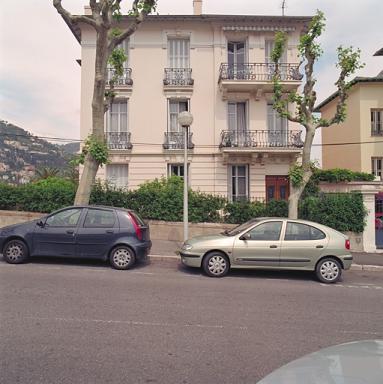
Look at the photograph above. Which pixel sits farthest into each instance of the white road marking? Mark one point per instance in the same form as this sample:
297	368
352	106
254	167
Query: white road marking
363	332
362	286
135	323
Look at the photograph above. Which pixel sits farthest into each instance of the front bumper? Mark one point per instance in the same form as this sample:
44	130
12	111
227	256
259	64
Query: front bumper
191	259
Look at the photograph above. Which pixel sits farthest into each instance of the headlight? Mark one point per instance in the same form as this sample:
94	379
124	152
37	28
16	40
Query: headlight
186	246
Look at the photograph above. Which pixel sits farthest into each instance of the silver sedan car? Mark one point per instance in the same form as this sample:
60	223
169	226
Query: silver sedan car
271	243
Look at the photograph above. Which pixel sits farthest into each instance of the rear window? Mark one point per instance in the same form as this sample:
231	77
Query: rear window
298	231
139	221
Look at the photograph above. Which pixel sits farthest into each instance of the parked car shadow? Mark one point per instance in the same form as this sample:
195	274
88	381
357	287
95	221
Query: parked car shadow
256	274
63	261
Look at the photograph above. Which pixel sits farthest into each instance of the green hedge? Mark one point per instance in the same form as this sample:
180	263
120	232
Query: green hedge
338	175
343	211
42	196
163	200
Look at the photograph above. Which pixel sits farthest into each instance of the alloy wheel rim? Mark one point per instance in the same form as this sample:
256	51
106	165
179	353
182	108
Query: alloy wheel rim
14	251
217	265
329	270
121	257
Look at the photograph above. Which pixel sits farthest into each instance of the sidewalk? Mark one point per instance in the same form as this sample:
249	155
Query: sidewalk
166	250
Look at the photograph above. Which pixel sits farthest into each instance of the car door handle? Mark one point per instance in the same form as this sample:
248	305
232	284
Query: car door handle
70	232
319	246
109	231
273	246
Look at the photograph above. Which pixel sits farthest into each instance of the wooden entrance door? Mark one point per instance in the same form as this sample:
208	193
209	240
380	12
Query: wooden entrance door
277	188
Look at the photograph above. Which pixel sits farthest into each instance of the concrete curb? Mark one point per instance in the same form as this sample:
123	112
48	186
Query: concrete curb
176	259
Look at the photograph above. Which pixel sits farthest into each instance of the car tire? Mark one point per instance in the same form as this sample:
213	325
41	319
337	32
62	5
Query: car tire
15	252
328	270
122	257
216	264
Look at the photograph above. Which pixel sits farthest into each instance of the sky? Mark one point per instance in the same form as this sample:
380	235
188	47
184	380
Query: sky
40	79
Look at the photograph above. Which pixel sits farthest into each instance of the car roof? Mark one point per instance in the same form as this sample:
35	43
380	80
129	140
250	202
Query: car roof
98	206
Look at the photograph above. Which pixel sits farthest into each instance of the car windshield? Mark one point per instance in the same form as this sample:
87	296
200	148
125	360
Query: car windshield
240	228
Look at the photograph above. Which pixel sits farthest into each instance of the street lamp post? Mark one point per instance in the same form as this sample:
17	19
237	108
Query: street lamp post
185	119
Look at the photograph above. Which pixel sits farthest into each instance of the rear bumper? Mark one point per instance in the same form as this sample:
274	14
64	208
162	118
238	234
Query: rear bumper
347	261
143	250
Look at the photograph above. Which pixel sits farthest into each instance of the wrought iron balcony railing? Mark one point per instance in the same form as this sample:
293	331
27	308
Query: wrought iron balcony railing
258	72
118	140
176	140
178	76
125	79
262	139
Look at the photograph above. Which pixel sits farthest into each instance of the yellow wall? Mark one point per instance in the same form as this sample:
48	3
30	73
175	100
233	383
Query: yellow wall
355	129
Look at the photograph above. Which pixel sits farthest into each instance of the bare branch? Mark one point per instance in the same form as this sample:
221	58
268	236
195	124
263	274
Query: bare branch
138	19
72	20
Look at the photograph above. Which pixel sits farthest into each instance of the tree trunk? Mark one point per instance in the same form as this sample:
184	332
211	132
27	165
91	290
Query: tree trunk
296	192
87	179
91	165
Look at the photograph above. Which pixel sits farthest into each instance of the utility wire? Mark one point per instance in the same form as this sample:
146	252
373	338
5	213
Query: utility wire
159	144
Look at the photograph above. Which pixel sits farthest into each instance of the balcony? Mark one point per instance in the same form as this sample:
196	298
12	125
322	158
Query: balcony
252	77
121	81
178	77
176	140
118	140
260	140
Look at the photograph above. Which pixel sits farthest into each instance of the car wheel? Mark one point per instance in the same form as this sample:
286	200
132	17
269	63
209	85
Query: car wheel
15	252
328	270
216	264
122	257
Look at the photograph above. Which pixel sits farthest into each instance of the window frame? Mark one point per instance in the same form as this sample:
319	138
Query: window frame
99	226
376	119
230	182
176	101
310	227
108	122
64	226
248	236
126	178
182	61
375	170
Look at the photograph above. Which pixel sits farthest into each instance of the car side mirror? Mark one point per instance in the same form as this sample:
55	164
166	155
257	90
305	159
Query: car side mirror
40	224
245	236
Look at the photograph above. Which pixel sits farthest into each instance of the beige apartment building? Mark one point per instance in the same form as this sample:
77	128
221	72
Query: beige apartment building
357	143
218	67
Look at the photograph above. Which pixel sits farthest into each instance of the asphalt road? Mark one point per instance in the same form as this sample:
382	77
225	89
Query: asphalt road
82	322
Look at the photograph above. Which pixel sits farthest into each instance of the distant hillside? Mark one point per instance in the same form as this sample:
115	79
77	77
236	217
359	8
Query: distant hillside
22	153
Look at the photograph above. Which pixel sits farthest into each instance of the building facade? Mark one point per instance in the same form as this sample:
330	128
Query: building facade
218	67
357	143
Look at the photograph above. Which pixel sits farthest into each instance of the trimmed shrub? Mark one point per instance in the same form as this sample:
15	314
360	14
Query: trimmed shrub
277	208
338	175
46	195
341	211
241	211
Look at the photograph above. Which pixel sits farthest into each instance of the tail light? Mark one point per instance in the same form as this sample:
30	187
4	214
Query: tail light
136	226
347	244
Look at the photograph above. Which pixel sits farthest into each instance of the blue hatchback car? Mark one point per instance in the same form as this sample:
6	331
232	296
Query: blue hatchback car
115	234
